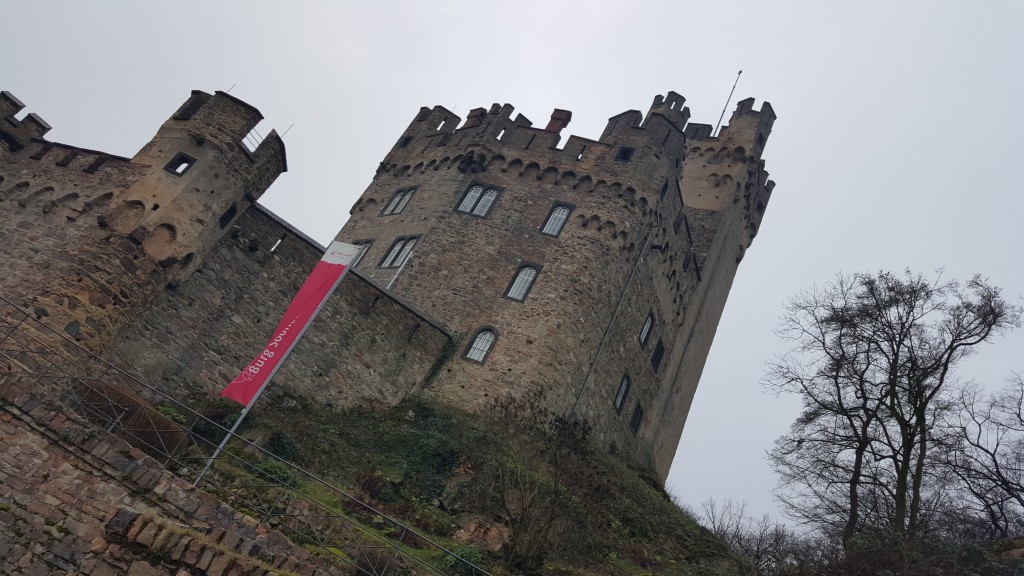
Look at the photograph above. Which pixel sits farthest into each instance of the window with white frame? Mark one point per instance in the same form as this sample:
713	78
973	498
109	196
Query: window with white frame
556	220
398	202
522	283
622	394
399	252
363	246
645	332
481	346
477	201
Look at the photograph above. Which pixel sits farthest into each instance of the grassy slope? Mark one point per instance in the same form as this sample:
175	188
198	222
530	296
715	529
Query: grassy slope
571	510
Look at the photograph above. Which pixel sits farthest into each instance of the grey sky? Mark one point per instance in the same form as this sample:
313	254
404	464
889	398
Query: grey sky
897	136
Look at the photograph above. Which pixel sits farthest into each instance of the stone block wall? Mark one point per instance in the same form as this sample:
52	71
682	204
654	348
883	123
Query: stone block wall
366	347
77	500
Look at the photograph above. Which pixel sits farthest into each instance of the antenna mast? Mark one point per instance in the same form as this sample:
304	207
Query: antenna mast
727	100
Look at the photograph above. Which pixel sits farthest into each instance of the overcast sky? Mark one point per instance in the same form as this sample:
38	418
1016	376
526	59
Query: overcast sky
897	137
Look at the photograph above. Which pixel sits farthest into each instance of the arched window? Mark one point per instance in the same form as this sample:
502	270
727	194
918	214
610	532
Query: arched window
399	253
398	202
477	202
481	346
556	220
522	283
620	397
469	200
484	205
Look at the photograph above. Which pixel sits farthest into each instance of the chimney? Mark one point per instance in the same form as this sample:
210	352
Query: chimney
559	119
475	118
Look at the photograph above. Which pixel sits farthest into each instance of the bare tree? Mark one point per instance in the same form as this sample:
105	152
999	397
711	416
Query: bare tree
872	358
771	547
988	457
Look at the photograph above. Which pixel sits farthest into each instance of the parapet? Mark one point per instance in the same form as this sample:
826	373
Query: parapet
496	130
225	120
18	133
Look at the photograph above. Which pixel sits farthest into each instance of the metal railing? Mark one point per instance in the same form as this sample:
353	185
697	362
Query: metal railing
306	508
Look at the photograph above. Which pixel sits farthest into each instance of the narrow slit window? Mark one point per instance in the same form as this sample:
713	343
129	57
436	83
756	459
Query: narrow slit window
623	393
523	282
637	419
556	221
645	332
481	346
659	352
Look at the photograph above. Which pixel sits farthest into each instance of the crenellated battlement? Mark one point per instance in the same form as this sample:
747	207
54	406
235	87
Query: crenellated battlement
628	137
18	133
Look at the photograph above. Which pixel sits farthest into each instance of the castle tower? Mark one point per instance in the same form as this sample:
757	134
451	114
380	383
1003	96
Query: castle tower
98	236
594	272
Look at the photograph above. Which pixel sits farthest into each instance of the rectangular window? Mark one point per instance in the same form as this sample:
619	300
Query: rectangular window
397	202
477	201
659	351
623	393
556	220
637	419
364	247
180	164
645	332
399	252
625	153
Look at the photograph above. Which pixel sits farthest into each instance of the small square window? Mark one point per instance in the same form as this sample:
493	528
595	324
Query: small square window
637	419
399	253
625	153
180	164
477	201
556	220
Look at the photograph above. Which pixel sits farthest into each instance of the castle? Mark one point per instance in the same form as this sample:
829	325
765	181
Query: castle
495	259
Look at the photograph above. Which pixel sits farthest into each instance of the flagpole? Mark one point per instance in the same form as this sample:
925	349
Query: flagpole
727	100
273	372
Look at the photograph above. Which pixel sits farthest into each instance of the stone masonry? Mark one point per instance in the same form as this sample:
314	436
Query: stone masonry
164	263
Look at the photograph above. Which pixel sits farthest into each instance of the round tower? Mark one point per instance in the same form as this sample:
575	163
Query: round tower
105	234
567	269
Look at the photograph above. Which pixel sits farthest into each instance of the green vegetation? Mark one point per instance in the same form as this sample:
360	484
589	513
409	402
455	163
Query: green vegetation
555	506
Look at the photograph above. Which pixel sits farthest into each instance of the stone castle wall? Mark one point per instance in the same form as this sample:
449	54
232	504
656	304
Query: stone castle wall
364	348
78	500
632	246
164	264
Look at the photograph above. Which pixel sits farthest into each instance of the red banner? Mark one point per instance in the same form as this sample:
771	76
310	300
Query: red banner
300	313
